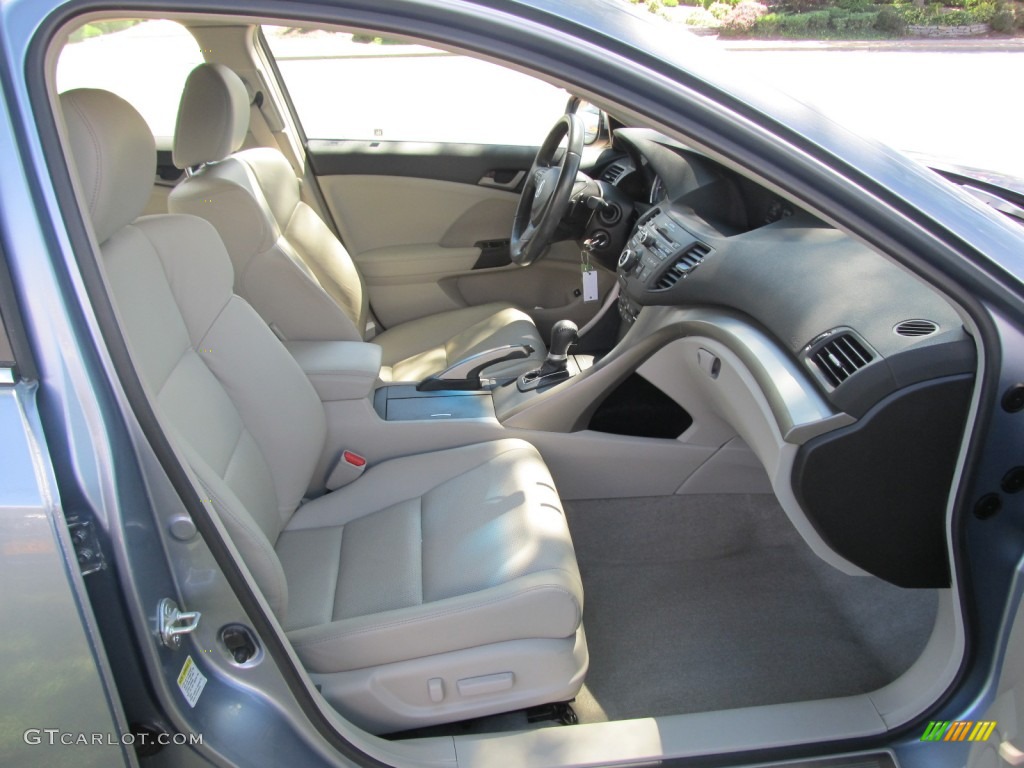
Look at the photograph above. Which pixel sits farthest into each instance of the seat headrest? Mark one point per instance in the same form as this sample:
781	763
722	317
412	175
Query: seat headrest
114	153
213	117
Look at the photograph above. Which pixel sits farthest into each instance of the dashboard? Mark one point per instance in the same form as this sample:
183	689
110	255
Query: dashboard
835	322
859	325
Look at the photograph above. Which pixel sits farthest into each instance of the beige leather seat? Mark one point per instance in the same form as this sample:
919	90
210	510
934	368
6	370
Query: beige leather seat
288	264
433	588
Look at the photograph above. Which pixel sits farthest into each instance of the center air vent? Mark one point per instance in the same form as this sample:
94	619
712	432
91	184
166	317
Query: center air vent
916	328
649	216
613	173
683	265
840	357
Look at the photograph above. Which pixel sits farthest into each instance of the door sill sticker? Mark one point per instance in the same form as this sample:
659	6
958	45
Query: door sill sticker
191	682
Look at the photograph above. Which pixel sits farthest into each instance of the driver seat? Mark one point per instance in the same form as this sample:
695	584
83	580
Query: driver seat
289	265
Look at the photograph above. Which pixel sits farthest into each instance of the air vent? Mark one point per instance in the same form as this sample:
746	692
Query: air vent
685	264
651	214
613	173
841	357
916	328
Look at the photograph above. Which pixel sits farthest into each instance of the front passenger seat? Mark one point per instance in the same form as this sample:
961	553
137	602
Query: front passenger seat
289	265
435	587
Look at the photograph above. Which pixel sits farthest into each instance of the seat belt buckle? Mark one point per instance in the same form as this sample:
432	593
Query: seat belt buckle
349	466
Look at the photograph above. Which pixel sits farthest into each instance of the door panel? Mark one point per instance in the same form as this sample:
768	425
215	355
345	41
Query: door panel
414	217
464	163
375	212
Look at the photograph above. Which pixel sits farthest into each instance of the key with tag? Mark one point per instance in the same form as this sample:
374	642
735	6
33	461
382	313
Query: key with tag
590	290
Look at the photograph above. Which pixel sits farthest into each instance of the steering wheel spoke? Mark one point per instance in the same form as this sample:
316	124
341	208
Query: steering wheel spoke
545	198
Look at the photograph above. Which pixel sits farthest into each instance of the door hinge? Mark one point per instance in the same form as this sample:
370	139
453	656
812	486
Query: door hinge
87	546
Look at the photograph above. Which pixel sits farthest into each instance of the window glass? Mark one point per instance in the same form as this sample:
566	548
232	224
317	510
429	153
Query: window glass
143	62
355	87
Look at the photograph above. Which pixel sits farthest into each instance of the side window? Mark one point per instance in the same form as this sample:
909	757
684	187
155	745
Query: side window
360	88
145	62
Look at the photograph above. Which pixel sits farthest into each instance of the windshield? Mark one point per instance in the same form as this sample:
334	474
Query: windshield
938	79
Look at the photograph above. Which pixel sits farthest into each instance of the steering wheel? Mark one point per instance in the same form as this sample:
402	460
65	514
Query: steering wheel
545	197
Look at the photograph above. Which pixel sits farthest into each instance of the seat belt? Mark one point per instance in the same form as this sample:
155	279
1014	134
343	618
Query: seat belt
264	137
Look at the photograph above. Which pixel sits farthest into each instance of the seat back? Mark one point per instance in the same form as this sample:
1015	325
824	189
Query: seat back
288	264
229	395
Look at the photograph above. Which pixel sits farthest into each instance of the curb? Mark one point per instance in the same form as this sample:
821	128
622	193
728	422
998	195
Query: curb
923	45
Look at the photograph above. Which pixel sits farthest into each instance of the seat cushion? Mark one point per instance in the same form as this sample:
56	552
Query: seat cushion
429	554
414	350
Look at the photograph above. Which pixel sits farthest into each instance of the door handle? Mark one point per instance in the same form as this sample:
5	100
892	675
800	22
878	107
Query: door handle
501	180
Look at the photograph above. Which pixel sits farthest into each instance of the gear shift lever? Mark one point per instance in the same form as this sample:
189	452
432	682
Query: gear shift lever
564	334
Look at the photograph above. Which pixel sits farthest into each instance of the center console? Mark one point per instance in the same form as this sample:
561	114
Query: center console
404	402
660	253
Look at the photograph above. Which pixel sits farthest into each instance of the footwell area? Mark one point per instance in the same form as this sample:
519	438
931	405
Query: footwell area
701	603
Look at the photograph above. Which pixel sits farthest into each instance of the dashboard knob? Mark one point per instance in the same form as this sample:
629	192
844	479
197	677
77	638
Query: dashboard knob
628	259
648	238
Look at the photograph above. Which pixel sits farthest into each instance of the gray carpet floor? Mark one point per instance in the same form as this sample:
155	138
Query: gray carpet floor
702	603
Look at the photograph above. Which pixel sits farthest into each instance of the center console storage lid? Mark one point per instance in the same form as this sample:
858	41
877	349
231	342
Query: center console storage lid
338	370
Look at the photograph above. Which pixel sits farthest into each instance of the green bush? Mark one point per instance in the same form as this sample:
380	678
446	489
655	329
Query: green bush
743	17
1003	21
862	19
1014	12
818	20
824	24
800	6
97	28
890	21
852	24
699	17
769	25
719	10
670	3
960	18
856	6
85	32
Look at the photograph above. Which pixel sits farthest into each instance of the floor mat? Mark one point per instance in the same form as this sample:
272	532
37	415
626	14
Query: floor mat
699	603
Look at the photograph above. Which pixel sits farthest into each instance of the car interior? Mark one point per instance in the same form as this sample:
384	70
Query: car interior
486	497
